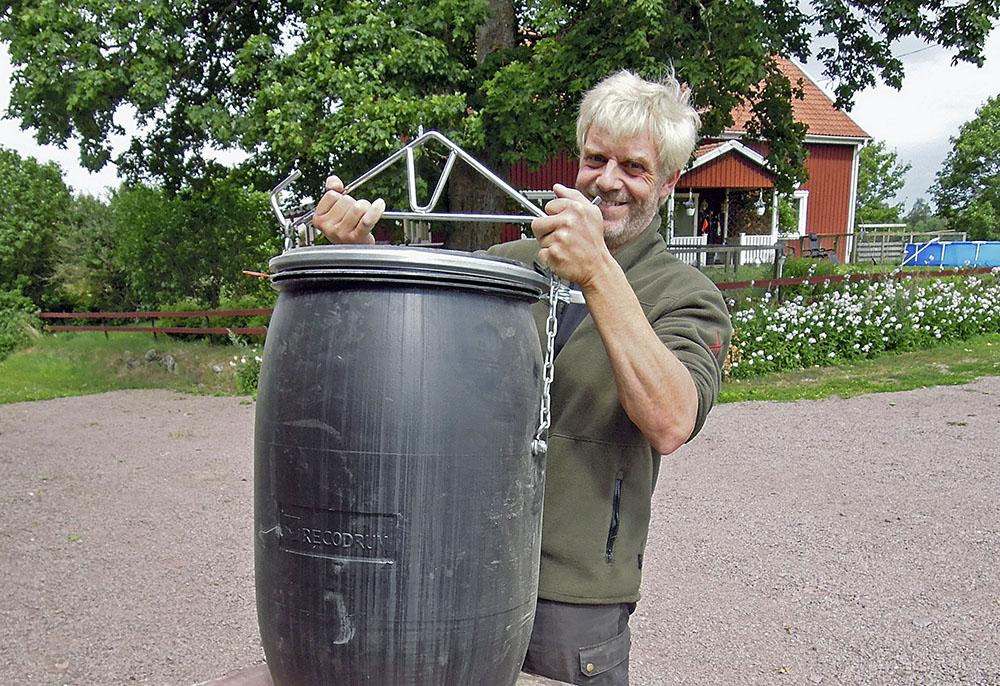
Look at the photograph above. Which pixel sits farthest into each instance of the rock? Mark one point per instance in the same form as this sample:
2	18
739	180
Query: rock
169	363
217	368
151	355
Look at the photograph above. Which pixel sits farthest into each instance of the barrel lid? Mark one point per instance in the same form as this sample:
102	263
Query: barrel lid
406	263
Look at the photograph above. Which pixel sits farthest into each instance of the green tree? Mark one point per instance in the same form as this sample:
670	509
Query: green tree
85	272
880	176
788	215
35	202
19	322
967	187
337	85
923	219
192	244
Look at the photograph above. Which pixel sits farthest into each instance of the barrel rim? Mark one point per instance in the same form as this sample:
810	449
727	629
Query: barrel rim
391	262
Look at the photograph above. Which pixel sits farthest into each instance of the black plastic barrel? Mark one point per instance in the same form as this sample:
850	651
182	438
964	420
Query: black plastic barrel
397	502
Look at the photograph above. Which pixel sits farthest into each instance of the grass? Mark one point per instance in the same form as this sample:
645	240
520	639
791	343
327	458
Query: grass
944	365
84	363
81	363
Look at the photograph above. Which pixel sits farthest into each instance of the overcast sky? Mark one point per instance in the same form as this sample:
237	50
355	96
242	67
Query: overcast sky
935	100
916	121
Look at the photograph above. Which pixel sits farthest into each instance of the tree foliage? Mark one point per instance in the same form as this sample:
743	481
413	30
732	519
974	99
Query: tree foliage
191	244
337	85
967	187
35	202
85	271
880	176
923	219
146	248
19	322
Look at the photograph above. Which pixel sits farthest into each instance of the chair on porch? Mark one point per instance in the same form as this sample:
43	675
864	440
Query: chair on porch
816	250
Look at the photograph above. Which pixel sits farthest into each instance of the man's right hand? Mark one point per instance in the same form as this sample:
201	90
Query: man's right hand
344	220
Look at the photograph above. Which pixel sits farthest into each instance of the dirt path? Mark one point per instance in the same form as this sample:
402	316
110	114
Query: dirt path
817	542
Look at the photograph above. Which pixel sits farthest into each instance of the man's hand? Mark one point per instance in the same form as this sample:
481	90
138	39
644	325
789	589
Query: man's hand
572	237
656	390
344	220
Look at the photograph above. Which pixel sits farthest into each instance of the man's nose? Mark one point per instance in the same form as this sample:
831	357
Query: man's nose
610	178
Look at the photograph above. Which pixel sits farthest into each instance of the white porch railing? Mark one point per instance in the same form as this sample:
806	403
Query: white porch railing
757	256
692	258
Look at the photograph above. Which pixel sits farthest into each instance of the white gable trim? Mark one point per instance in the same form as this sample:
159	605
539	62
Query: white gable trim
727	147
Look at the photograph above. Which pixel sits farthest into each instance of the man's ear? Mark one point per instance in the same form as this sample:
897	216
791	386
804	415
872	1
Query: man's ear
668	185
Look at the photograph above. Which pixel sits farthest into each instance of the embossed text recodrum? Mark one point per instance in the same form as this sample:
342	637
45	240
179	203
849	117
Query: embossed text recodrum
348	536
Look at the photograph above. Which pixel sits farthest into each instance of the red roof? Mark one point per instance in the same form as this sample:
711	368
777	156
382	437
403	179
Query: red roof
816	109
706	147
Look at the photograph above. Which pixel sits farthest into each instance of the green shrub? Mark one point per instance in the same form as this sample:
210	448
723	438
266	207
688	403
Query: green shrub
804	267
261	301
246	363
247	302
19	322
184	305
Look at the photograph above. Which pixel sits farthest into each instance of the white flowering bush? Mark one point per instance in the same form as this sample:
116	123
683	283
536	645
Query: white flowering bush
246	363
859	320
247	368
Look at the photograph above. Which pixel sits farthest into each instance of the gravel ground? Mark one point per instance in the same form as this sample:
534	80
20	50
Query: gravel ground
815	542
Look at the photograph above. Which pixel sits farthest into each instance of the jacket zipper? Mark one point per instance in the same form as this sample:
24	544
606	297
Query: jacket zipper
609	551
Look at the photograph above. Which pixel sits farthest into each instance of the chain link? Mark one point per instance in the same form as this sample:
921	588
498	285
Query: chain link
540	445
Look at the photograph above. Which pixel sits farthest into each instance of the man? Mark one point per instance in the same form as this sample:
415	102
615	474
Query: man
634	380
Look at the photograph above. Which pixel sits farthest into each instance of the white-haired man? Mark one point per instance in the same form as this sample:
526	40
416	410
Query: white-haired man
638	368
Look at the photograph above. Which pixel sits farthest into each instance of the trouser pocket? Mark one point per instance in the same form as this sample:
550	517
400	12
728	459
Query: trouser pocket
606	663
580	644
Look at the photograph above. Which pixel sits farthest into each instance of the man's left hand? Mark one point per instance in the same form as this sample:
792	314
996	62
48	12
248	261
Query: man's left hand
572	236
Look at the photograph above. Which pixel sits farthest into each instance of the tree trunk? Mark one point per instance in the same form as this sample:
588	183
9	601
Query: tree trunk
497	31
468	190
471	192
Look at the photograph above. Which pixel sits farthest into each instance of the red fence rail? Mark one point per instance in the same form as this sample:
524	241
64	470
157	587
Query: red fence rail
152	317
255	331
841	278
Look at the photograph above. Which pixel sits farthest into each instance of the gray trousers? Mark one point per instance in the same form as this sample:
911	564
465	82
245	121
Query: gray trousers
580	644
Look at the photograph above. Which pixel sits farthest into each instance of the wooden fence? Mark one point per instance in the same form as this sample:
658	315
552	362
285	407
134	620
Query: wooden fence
103	317
879	247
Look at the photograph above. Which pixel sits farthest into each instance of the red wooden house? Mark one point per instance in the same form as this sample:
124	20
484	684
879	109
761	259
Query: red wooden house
726	194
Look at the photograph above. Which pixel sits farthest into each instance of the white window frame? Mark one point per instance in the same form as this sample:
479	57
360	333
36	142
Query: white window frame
802	197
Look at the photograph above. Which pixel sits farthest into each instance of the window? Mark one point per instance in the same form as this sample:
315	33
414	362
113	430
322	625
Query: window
792	213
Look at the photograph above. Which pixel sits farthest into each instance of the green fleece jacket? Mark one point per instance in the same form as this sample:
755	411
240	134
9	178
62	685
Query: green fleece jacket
600	470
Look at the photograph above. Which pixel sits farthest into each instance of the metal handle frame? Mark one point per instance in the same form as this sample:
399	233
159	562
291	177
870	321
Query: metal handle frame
417	211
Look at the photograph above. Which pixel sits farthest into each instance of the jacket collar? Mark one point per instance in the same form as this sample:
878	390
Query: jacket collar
640	246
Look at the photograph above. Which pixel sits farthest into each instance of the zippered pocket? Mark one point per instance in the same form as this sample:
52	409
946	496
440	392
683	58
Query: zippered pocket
609	551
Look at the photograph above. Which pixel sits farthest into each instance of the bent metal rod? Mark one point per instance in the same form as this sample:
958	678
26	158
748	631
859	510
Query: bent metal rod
417	211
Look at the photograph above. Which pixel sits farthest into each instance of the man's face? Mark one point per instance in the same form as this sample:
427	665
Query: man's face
625	175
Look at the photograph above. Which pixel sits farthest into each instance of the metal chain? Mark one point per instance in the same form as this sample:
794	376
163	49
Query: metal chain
539	445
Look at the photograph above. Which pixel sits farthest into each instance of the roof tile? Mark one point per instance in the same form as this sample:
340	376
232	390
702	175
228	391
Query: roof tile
816	109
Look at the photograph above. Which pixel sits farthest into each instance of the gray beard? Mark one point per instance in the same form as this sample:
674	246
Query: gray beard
620	233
